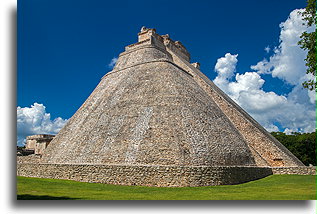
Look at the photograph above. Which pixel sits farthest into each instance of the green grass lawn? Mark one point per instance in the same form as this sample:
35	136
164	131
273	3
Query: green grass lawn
274	187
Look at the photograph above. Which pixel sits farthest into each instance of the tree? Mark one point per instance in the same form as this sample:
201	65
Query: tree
308	42
302	145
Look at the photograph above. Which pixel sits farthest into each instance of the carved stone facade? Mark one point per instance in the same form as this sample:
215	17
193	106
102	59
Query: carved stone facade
158	116
38	143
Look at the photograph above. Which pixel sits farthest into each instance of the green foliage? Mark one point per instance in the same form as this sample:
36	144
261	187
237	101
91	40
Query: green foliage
274	187
308	42
303	146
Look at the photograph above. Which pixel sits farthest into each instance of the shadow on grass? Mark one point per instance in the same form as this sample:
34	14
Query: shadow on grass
42	197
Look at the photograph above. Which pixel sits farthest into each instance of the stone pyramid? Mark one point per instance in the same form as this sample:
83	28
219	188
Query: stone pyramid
156	119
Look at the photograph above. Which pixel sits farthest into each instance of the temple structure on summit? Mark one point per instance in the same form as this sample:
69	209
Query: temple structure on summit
157	120
38	143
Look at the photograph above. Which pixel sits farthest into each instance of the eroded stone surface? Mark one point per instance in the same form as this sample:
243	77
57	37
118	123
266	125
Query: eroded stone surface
151	120
160	176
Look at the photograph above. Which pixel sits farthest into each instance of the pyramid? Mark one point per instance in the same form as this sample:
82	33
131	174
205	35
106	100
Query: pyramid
157	120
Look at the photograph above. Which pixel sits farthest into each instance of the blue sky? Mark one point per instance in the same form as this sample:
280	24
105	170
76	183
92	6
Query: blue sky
64	47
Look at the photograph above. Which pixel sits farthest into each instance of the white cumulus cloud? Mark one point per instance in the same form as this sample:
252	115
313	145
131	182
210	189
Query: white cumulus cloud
294	111
225	67
34	120
112	62
267	49
287	62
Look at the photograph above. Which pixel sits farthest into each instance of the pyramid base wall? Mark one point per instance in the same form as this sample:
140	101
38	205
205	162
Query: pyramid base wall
296	170
160	176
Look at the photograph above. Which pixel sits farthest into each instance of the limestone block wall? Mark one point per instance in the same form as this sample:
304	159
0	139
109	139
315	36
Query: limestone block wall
151	113
161	176
302	170
29	159
140	54
30	144
38	143
177	48
156	120
266	150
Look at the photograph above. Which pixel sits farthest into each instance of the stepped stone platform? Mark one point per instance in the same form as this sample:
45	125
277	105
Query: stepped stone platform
157	120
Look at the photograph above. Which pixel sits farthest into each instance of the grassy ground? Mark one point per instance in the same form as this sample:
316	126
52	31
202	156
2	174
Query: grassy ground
274	187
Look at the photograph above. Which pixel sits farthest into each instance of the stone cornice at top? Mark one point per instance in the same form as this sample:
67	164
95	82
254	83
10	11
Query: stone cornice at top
152	47
149	36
